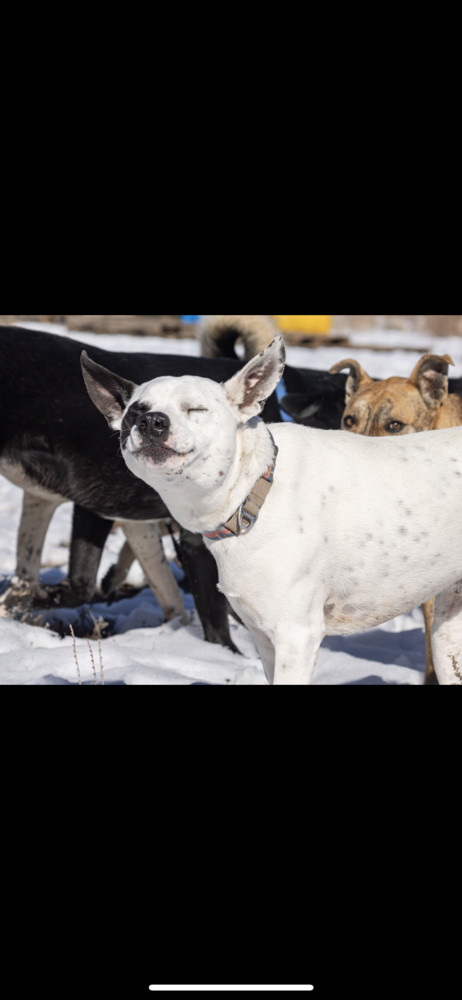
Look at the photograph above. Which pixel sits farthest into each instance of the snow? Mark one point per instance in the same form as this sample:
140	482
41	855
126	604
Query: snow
142	648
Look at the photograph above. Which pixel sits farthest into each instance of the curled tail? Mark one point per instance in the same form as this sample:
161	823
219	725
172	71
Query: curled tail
218	335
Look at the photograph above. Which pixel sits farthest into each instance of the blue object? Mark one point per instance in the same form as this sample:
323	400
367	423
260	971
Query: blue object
190	319
280	392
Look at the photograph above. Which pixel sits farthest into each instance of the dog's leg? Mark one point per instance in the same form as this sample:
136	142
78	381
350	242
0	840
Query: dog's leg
429	616
35	519
89	534
266	650
201	570
296	654
447	636
144	539
116	575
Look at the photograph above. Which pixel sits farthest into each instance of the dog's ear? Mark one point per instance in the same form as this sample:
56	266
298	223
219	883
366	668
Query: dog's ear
357	377
430	376
248	390
110	393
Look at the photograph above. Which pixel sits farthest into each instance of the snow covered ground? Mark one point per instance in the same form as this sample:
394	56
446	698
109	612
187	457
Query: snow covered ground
141	648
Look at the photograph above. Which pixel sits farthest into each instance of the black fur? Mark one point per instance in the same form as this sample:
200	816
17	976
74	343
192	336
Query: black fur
314	398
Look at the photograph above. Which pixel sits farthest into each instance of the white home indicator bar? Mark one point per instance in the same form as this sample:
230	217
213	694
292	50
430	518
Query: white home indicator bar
230	989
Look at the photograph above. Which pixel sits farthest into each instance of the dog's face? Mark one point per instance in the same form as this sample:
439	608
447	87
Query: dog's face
169	424
395	405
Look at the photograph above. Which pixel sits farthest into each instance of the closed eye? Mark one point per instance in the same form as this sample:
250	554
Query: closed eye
138	408
198	409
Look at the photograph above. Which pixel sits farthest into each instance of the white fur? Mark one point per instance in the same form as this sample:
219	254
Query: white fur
354	531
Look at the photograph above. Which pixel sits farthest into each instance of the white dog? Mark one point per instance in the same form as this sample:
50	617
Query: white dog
314	532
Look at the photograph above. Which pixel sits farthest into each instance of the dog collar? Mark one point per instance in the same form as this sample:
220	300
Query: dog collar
246	515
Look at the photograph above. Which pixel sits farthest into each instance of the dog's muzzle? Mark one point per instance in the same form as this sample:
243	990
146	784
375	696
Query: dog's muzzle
154	425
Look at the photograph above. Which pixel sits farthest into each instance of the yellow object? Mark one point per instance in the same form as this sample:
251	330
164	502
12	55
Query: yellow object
304	324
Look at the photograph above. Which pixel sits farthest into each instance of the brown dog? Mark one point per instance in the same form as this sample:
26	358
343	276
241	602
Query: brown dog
402	406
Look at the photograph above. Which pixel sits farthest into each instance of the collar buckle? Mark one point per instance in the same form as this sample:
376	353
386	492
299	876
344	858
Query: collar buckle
242	527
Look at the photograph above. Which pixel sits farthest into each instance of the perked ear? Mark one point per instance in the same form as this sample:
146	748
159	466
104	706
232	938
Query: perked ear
248	390
110	393
430	376
357	377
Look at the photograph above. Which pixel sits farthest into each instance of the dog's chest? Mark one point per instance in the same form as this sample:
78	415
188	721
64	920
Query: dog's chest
246	577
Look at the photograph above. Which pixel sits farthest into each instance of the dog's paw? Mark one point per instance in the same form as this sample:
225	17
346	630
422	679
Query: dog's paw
114	579
20	595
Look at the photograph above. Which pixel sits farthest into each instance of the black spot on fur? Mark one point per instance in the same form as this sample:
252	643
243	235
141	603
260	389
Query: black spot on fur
131	418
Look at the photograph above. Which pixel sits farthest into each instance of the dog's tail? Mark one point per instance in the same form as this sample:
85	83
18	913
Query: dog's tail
219	334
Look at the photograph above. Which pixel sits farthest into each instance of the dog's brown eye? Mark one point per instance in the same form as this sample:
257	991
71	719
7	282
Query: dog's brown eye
394	427
349	422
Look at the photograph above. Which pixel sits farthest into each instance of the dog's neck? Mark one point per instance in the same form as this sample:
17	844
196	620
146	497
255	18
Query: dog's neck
212	498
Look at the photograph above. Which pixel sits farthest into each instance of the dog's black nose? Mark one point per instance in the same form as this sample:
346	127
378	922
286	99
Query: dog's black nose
154	425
